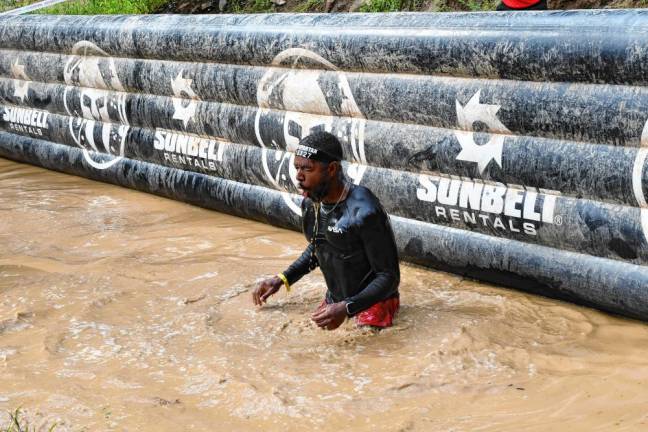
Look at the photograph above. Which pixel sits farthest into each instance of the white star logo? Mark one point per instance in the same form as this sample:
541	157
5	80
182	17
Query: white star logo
21	81
182	85
467	115
184	113
182	89
481	154
18	71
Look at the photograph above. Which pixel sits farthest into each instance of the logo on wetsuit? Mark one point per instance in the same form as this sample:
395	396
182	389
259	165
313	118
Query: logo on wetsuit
335	229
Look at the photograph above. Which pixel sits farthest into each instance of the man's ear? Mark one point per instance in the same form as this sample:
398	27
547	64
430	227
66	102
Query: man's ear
333	168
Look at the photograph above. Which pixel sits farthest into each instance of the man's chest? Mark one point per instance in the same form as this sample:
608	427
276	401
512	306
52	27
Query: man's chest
337	232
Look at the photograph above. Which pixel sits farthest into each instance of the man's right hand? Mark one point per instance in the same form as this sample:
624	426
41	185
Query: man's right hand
265	289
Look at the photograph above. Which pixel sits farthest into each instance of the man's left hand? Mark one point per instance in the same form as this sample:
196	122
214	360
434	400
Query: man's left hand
330	316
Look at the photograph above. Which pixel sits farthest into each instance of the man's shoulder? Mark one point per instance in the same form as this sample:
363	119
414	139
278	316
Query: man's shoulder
363	203
306	203
363	193
307	207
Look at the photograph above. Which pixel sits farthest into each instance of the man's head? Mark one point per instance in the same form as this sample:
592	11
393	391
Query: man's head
317	161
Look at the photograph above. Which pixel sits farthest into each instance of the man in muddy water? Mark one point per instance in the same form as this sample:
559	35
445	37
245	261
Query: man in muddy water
350	239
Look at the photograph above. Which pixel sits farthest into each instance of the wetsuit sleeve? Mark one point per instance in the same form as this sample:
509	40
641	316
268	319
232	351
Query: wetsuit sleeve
300	267
380	247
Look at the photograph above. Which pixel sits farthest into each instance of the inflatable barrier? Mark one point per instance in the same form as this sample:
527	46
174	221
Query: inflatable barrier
507	147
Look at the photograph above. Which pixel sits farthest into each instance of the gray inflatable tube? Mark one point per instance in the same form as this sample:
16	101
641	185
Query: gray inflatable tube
507	147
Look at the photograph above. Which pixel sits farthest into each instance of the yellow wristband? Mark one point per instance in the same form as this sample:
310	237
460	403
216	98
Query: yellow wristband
285	281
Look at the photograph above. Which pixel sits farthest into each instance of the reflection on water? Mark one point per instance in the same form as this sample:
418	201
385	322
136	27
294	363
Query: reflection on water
125	311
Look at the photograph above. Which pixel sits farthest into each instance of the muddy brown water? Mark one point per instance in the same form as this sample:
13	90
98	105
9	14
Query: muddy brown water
121	310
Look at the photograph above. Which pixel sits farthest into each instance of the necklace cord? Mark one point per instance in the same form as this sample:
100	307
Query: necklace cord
344	192
312	262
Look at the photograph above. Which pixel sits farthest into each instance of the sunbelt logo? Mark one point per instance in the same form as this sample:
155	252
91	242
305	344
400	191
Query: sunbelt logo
491	205
189	150
25	120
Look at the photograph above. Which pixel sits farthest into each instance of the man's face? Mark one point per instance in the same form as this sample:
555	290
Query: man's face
314	178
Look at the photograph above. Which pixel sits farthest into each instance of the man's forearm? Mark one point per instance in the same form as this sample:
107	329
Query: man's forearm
383	286
300	267
380	249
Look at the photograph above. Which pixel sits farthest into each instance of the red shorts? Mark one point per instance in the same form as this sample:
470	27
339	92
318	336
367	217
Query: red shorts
380	314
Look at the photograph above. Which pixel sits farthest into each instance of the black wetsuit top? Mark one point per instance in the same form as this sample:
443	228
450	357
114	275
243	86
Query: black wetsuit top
354	247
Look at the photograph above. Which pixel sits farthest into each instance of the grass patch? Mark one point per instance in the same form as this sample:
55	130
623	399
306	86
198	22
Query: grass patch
310	6
249	6
479	5
381	6
6	5
391	5
20	424
104	7
464	5
261	6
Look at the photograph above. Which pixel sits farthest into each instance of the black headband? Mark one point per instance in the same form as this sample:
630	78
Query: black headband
314	154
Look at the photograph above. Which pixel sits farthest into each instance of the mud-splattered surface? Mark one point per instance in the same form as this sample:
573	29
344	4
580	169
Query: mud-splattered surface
124	311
